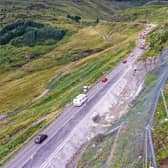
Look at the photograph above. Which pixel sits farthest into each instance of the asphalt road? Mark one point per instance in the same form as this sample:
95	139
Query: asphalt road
33	155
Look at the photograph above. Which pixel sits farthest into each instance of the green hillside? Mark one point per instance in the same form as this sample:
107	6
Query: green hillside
39	42
50	8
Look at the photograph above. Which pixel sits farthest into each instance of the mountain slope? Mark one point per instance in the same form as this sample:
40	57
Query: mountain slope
25	72
87	9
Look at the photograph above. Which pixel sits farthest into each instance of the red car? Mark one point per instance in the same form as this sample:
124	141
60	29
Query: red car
104	80
124	62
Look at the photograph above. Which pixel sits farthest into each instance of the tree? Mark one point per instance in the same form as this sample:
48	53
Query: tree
29	33
75	18
97	20
68	16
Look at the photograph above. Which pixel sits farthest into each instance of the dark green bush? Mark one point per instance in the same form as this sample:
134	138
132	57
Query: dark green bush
30	33
75	18
19	23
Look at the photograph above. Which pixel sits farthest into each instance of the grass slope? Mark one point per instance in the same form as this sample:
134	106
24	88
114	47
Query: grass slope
50	8
160	134
83	44
87	71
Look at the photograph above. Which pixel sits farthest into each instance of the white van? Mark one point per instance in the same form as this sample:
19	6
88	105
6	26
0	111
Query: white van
79	100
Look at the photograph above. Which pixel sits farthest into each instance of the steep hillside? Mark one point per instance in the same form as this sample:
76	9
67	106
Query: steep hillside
90	47
85	53
136	2
86	9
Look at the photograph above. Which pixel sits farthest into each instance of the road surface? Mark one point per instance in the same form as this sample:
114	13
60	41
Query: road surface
58	130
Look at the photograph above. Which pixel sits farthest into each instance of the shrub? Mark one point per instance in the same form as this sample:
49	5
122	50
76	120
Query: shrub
75	18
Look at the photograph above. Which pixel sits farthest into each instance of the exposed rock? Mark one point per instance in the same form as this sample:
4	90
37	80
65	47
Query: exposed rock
27	57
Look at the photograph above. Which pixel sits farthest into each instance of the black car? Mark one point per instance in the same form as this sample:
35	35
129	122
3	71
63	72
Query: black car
40	138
